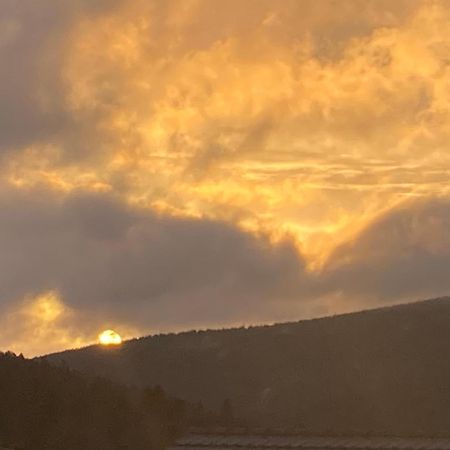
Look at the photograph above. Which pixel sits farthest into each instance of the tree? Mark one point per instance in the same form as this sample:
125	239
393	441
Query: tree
226	412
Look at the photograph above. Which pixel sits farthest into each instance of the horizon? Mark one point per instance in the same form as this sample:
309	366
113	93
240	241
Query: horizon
250	326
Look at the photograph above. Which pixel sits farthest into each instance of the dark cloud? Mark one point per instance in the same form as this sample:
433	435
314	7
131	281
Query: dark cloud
115	261
33	37
403	255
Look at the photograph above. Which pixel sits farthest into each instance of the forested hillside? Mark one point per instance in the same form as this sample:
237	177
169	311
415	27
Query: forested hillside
380	371
51	408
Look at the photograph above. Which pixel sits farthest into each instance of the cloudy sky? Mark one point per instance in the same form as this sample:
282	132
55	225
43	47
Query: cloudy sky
179	164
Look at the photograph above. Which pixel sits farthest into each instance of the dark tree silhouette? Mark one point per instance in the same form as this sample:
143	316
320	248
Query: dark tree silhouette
226	412
55	408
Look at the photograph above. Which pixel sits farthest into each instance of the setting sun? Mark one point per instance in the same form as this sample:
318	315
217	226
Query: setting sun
109	337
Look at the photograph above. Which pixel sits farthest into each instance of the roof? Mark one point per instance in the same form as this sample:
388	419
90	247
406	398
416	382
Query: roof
264	442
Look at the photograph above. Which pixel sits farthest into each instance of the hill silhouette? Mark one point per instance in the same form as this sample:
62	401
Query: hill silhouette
56	408
378	371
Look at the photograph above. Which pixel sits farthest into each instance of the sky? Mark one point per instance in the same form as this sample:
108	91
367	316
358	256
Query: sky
188	164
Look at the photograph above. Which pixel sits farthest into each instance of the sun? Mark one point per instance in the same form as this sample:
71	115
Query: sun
109	337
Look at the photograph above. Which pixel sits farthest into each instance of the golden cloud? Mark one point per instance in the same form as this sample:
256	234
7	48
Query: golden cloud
40	324
255	123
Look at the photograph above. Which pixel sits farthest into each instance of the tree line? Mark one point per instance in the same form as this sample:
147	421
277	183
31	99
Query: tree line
54	408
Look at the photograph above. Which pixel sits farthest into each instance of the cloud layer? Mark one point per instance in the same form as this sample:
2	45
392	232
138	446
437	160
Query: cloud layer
74	264
112	265
168	164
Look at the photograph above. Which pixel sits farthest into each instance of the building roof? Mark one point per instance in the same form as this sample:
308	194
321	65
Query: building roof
289	442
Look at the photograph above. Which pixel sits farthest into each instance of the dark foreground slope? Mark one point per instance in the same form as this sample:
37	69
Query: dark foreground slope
382	371
44	407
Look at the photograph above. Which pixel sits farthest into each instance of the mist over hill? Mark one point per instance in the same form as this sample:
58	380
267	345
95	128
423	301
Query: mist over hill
379	371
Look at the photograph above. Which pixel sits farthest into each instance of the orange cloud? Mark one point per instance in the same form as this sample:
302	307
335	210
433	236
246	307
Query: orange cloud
39	325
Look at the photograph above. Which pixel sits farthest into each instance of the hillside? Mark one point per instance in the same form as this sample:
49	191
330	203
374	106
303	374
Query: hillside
54	408
381	371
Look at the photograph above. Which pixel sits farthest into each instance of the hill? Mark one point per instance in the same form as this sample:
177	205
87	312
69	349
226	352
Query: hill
55	408
380	371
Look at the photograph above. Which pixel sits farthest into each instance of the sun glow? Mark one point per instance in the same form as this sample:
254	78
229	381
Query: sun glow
109	337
